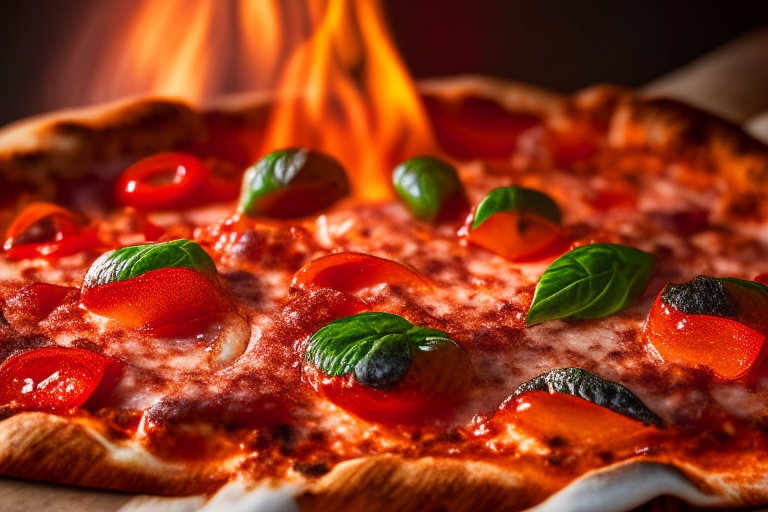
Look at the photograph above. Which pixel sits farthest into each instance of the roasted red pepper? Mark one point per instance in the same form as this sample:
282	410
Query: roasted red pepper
44	230
169	181
51	379
159	298
351	272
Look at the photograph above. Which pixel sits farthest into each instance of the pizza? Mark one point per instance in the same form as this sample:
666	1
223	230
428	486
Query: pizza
571	285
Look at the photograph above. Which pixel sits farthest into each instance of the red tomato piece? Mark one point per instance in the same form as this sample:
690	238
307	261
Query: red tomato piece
519	236
434	385
729	348
542	415
476	128
44	230
162	182
163	297
52	379
351	272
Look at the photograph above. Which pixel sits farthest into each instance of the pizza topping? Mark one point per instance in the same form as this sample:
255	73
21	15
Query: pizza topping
155	285
136	260
292	183
428	186
517	223
44	230
169	181
592	281
52	379
351	272
383	368
718	323
592	388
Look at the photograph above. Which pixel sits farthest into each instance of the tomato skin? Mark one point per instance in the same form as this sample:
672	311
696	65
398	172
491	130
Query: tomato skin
51	379
350	272
728	348
434	385
36	301
518	236
68	236
181	181
159	298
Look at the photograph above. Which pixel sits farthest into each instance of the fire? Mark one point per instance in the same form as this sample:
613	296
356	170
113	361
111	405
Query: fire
346	92
339	84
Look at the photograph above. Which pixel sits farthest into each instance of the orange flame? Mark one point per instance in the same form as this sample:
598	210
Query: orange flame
346	92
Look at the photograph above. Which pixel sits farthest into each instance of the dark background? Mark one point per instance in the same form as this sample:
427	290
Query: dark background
563	44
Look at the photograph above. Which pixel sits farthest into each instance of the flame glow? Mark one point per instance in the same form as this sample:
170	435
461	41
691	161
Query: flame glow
339	83
346	92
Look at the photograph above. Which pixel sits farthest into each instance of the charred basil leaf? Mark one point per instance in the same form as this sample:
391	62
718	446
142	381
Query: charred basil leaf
292	183
516	199
590	282
426	184
703	295
583	384
376	347
129	262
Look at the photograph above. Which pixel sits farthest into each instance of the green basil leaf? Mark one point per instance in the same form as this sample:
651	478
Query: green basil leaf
593	388
752	285
426	184
376	347
291	183
516	199
590	282
129	262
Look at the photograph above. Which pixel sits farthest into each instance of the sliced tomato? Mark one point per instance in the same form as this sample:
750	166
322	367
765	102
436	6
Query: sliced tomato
568	418
729	348
51	379
435	384
44	230
169	296
351	272
519	236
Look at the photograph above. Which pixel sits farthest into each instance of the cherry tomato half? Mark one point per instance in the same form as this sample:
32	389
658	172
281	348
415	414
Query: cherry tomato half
519	236
50	379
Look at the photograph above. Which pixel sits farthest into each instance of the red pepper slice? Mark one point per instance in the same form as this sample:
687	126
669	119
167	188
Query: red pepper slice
28	236
51	379
351	272
729	348
162	181
159	298
175	181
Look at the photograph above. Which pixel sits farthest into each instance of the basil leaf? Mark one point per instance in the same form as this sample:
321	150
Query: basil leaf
752	285
593	388
129	262
589	282
516	199
426	184
292	183
376	347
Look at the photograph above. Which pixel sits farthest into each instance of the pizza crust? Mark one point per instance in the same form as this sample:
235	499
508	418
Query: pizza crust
69	144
